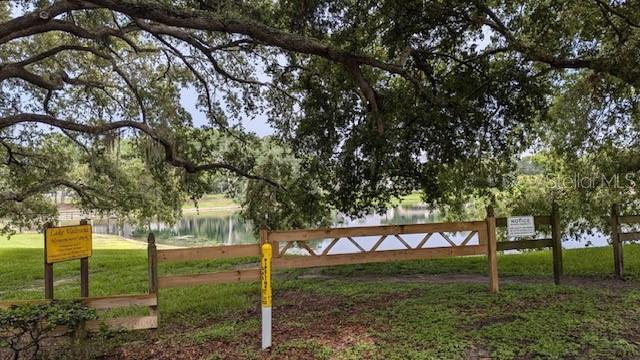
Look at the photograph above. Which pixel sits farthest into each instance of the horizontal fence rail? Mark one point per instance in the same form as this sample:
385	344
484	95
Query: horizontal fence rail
377	256
555	242
619	237
327	233
223	277
126	323
209	253
525	244
630	236
106	303
629	219
290	238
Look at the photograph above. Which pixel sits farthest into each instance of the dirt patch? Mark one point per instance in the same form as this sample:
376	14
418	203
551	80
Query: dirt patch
311	323
38	285
311	318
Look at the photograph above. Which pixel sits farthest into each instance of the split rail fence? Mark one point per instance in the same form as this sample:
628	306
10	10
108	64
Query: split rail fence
548	225
283	241
480	239
619	237
149	300
484	231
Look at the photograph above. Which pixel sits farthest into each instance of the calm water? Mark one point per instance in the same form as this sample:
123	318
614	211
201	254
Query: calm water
227	229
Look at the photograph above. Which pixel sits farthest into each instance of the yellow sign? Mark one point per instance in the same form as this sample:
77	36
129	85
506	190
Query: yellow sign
267	253
68	243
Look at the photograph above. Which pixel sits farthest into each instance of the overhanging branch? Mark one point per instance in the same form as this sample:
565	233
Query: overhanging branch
169	147
603	64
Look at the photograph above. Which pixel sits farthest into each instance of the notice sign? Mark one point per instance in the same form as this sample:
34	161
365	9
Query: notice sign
68	243
521	226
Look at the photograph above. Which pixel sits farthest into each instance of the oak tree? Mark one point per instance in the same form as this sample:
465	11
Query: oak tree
370	99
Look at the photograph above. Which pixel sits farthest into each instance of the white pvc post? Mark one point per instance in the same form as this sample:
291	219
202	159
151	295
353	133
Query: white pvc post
266	294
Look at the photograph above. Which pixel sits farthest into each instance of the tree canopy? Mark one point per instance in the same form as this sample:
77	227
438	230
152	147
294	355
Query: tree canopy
370	99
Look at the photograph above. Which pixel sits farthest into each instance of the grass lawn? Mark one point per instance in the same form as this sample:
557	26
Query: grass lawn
212	201
36	241
404	310
414	198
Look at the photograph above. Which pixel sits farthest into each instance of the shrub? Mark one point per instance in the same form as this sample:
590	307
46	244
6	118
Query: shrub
25	328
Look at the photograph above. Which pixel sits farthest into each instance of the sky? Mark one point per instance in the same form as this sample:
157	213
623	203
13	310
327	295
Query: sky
189	99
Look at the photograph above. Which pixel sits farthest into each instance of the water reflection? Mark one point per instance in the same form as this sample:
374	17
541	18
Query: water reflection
227	229
191	230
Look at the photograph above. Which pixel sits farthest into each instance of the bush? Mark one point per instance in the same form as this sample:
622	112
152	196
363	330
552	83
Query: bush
24	328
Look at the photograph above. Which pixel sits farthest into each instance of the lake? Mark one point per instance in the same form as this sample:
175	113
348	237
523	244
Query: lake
229	228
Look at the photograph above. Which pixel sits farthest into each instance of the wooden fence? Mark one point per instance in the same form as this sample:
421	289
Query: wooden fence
205	253
283	241
309	255
619	237
554	242
110	302
149	300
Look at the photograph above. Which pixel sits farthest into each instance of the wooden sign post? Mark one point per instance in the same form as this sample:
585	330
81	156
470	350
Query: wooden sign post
48	268
63	244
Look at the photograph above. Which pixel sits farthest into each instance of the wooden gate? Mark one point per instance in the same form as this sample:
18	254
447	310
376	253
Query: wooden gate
481	232
283	241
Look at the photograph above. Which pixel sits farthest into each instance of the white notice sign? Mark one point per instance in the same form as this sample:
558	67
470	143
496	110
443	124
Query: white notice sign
520	226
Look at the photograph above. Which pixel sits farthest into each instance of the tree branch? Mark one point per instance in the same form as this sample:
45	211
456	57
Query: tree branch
201	20
39	17
52	82
625	18
54	51
169	147
98	34
156	29
40	188
604	64
369	93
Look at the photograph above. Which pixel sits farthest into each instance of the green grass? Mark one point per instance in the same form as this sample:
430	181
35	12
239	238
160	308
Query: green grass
212	201
414	198
361	311
226	331
597	261
34	240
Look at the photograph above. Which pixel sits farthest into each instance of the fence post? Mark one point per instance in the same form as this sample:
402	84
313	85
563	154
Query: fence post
264	238
48	268
615	241
84	271
152	262
492	255
556	238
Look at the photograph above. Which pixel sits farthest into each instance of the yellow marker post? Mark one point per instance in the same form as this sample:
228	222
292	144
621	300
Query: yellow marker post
265	270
